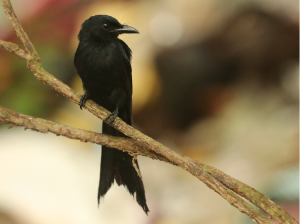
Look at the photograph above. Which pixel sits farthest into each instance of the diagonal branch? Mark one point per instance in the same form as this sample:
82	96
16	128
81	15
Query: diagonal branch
41	125
140	144
249	193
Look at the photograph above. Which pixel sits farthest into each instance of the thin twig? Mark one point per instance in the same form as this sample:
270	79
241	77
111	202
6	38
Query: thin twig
134	163
14	49
18	28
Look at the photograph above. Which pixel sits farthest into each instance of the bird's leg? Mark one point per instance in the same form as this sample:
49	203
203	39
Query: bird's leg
83	99
113	115
119	97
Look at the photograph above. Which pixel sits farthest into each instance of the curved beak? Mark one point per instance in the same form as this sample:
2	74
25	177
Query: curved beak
125	29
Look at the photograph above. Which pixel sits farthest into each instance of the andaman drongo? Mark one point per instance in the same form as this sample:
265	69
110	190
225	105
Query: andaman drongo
102	61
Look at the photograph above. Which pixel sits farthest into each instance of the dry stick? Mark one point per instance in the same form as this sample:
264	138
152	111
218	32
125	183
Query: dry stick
44	126
154	147
41	125
15	49
249	193
18	28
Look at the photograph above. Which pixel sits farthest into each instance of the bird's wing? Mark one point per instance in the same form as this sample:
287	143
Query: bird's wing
126	52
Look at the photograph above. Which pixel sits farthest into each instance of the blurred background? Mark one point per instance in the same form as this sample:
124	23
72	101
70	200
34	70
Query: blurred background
213	80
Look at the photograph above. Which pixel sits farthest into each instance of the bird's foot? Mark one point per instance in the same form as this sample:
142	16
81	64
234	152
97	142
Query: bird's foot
83	99
110	118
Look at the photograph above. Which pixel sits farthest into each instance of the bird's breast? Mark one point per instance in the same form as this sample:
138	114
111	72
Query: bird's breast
102	68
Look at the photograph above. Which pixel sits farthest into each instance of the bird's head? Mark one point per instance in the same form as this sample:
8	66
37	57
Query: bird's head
101	27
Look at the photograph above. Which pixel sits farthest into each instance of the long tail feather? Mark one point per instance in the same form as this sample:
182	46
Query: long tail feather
117	165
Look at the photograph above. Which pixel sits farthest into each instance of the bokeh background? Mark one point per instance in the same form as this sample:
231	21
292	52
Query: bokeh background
214	80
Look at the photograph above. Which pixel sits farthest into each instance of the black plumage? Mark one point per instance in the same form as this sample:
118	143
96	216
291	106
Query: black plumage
103	64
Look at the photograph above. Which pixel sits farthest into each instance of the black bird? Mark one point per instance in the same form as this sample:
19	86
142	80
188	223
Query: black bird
103	64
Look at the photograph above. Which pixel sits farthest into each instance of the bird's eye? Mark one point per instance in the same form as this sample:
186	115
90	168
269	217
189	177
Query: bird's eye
105	26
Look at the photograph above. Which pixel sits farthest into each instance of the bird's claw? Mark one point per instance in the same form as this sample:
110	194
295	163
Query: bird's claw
110	118
82	101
